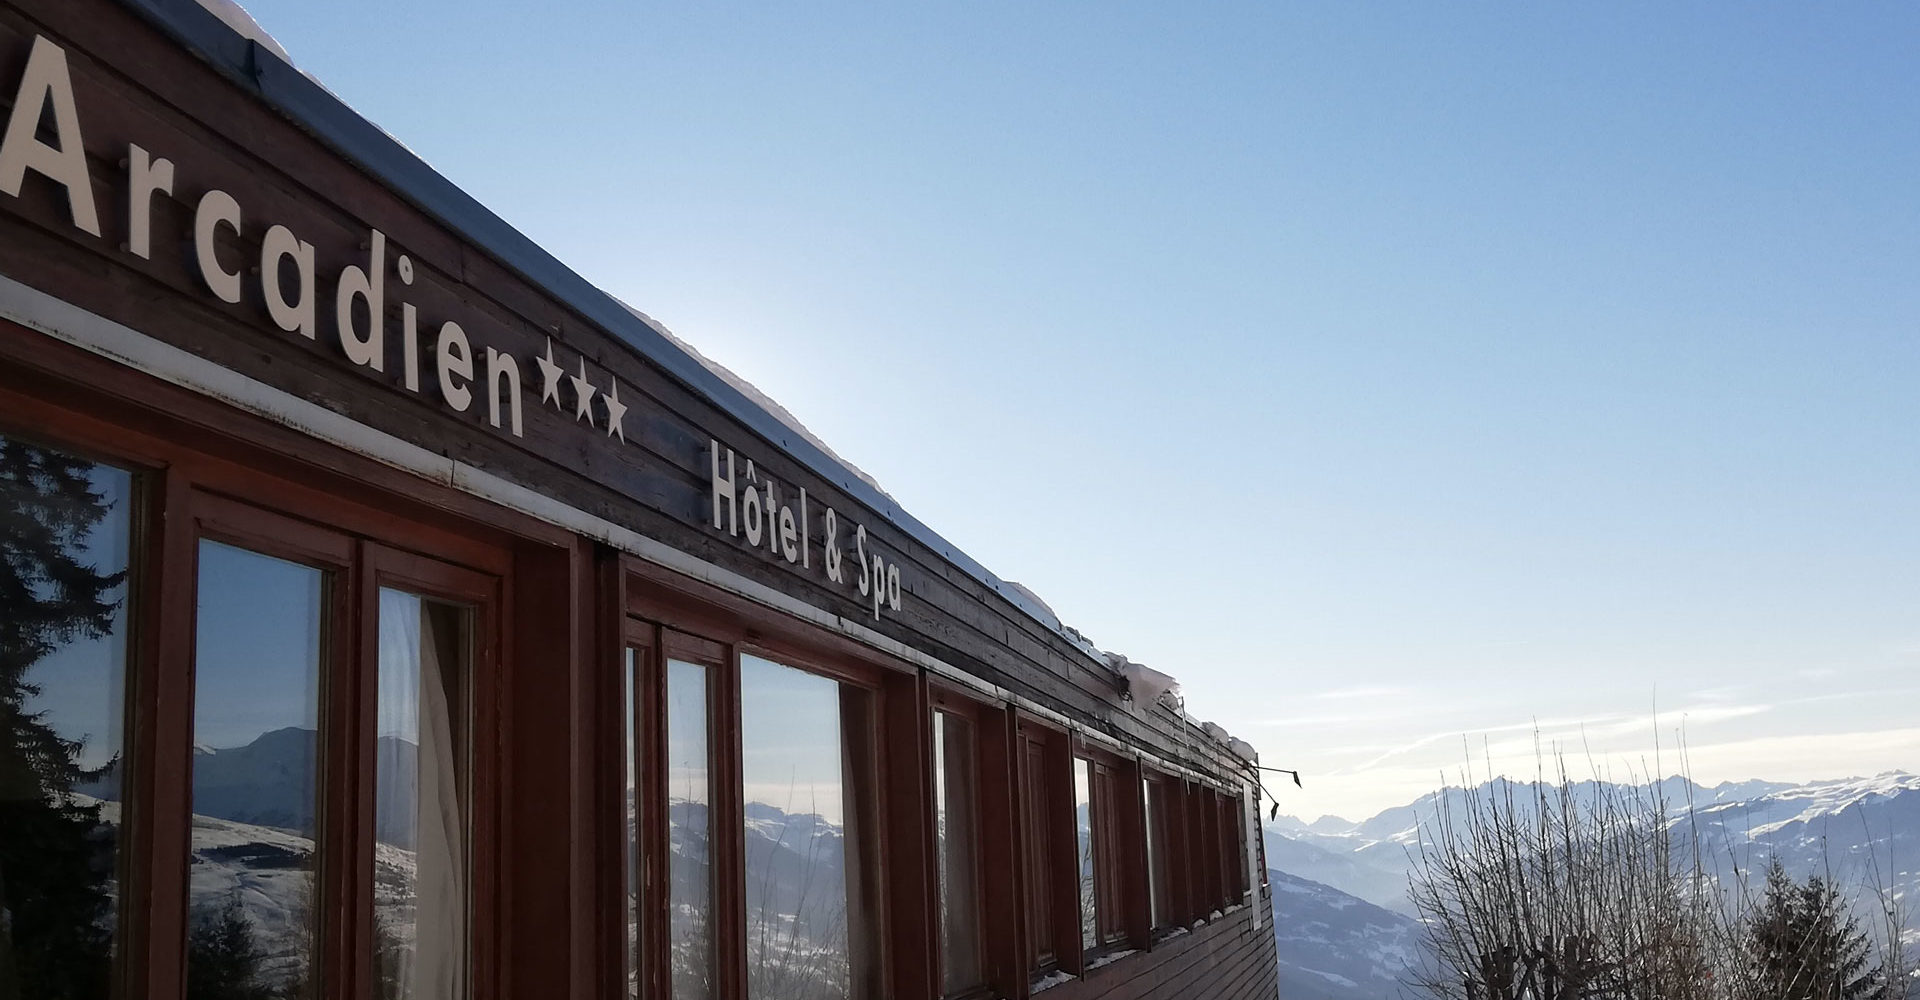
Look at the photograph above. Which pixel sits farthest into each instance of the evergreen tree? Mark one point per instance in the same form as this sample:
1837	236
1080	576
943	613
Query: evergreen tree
1806	946
223	962
56	860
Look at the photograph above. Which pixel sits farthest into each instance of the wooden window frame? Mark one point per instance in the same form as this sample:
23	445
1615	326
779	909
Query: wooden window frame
718	628
1046	834
201	471
1168	865
996	844
1119	849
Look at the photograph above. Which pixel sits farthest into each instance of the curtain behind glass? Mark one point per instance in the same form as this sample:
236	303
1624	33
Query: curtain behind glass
420	815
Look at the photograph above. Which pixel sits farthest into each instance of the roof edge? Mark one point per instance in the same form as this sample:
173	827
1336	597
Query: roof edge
327	118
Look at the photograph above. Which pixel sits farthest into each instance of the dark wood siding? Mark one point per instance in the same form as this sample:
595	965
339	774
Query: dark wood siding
135	85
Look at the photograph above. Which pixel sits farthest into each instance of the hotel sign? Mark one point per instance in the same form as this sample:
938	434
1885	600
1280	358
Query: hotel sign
444	360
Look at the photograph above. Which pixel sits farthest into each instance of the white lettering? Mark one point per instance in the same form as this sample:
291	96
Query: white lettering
44	82
501	368
370	286
865	583
216	207
456	366
789	536
719	494
831	545
750	509
805	562
280	242
145	178
410	345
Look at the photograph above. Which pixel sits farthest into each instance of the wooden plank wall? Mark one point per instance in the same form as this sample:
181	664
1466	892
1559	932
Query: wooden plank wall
1227	958
134	85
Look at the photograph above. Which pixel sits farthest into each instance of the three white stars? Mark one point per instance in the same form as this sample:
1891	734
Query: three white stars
551	375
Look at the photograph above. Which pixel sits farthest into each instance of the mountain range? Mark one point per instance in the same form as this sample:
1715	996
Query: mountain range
1345	928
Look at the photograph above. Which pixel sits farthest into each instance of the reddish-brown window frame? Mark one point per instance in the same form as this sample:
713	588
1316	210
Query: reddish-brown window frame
697	620
1047	873
994	767
1119	851
200	467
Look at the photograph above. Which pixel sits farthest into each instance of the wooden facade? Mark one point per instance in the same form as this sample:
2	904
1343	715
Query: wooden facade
586	536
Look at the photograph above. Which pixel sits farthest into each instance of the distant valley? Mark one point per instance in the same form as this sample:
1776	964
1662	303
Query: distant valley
1345	929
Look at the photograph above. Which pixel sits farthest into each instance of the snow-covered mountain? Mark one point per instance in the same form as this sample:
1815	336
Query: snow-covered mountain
1336	947
1857	831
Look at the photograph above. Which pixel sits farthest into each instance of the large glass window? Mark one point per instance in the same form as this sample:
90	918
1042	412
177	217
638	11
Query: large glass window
806	778
689	833
957	836
65	526
421	798
1083	813
260	635
1160	859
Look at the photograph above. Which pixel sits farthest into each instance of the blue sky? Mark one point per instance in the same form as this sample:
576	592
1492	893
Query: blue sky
1389	374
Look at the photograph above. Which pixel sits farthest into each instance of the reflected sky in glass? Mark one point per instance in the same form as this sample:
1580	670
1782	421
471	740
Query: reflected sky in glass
790	753
80	680
256	646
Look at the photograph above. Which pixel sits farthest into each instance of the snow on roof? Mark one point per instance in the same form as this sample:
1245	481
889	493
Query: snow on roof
237	18
752	392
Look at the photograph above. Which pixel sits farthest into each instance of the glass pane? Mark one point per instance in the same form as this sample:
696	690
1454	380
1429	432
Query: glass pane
64	533
1083	810
802	827
955	799
688	801
635	877
259	640
420	798
1037	806
1156	854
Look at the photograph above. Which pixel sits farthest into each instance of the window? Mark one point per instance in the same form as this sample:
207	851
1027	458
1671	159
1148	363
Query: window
806	765
332	781
957	853
1088	873
1048	851
1162	855
66	528
422	796
688	810
633	683
749	789
1109	847
262	634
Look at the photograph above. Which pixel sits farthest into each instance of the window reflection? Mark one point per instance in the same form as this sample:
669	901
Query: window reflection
64	531
690	886
420	798
1159	862
956	832
631	806
807	759
259	639
1083	812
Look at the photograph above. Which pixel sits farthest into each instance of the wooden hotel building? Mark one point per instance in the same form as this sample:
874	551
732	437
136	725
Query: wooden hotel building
386	612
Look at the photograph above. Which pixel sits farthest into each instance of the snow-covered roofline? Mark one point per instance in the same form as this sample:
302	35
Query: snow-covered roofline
230	40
